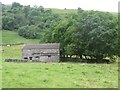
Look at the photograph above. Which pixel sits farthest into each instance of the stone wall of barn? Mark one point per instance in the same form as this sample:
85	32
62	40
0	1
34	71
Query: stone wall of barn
43	55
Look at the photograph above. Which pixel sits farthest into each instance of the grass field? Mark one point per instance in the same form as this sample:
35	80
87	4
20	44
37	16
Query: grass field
59	75
0	36
56	75
62	12
11	37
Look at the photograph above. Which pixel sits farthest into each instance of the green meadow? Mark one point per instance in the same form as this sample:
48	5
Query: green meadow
11	37
52	75
59	75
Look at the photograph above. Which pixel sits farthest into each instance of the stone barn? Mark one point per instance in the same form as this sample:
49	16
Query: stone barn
41	52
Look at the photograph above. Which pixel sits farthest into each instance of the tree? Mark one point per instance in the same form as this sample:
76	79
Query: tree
96	34
8	22
30	32
118	38
63	32
20	20
16	7
26	10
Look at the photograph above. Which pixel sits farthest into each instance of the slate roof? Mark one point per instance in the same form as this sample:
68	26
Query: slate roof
42	46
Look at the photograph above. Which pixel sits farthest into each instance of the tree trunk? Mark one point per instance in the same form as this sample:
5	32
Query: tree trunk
99	57
80	56
70	56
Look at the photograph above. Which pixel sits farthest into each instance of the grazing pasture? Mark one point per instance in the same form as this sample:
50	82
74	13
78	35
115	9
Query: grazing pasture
11	37
59	75
55	75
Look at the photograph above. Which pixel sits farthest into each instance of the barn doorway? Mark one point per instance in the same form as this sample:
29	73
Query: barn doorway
49	56
30	58
25	58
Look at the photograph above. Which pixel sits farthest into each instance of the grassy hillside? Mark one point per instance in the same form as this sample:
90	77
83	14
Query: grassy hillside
56	75
63	11
67	11
11	37
0	36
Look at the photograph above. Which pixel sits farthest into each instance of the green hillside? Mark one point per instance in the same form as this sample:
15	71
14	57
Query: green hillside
0	37
64	12
11	37
69	11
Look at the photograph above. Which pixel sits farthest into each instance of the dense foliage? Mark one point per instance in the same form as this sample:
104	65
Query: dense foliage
96	34
84	33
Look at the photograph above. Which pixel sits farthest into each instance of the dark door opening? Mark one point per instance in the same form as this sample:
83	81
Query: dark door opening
30	58
25	58
49	55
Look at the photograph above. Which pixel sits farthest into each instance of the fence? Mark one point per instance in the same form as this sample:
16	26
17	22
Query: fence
15	60
11	44
19	60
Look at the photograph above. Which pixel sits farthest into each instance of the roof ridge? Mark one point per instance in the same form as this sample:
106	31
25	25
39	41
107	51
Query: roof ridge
42	46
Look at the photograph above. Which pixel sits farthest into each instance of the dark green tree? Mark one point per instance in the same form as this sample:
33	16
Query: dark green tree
96	34
30	32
